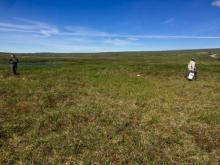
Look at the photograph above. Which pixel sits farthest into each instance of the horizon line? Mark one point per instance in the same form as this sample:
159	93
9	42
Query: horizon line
162	50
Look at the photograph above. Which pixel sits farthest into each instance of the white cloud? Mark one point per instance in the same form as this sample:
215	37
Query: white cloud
216	3
36	28
118	42
175	37
122	39
84	31
29	26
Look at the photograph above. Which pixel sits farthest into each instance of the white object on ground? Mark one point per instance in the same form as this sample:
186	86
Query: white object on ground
215	56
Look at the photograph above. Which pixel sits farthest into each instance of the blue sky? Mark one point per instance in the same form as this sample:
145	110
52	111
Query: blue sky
108	25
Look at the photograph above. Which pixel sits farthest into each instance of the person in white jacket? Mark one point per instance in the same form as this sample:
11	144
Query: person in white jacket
192	67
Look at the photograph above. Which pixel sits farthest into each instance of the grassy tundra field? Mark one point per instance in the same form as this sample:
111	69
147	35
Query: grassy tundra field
93	109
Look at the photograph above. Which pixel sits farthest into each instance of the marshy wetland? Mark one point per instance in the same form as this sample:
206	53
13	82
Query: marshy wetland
93	109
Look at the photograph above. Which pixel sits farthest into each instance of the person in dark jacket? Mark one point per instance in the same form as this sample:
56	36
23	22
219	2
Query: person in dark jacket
13	61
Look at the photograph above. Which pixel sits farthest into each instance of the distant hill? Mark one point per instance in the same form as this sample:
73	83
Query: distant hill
211	50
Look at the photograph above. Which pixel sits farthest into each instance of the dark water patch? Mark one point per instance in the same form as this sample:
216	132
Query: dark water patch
38	64
32	64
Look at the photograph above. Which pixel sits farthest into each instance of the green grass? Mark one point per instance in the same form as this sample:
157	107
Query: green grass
95	110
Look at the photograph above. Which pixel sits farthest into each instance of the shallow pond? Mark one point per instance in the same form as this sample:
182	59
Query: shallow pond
33	64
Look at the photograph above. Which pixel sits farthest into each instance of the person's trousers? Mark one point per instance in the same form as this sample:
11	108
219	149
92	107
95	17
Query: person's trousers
14	69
